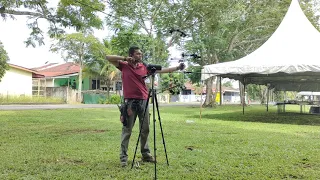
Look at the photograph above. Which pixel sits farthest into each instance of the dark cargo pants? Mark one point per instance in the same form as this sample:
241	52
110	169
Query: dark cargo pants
137	109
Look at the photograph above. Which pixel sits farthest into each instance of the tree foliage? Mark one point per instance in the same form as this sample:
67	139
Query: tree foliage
195	74
227	84
128	36
172	83
79	48
4	58
151	18
78	14
97	67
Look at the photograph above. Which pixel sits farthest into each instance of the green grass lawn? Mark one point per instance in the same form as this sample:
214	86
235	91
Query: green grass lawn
84	144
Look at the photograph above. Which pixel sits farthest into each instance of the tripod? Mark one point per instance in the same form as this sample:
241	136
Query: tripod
152	94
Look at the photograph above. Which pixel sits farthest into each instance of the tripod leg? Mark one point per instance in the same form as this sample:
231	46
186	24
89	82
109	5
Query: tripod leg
163	141
154	132
144	115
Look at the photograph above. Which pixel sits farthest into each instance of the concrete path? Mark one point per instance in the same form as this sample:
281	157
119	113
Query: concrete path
69	106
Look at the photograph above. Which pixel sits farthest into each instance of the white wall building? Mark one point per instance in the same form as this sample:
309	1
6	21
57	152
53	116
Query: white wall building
17	81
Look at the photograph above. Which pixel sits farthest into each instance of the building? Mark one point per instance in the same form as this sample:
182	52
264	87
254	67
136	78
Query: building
230	95
67	74
17	81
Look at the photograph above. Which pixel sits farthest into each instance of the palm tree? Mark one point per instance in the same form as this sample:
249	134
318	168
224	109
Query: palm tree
101	69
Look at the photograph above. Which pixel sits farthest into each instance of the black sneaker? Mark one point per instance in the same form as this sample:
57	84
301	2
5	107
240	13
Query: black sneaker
148	159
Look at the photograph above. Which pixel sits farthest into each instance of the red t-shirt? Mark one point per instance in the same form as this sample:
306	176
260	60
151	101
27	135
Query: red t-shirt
134	86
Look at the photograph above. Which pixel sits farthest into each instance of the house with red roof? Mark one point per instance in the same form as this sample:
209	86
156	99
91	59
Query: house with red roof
61	74
17	81
66	74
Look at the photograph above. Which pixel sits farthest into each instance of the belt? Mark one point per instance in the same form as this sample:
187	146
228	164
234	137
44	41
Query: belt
127	100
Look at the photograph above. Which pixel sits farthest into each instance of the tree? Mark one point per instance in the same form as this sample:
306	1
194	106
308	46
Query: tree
77	14
172	82
129	36
227	84
153	18
97	67
78	47
195	74
3	61
310	9
254	92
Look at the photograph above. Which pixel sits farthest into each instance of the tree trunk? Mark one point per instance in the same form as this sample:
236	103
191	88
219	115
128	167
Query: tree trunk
242	93
108	89
208	102
80	85
263	94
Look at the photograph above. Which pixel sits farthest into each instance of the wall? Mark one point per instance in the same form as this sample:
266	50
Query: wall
86	84
16	82
67	94
187	98
49	83
163	98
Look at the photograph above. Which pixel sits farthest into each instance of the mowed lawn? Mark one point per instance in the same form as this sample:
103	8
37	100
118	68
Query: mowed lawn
224	144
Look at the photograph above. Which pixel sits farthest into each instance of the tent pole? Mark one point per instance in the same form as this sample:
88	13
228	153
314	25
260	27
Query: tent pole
243	95
220	88
268	98
201	86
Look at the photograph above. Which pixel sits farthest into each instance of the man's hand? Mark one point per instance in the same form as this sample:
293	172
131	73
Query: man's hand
129	59
172	69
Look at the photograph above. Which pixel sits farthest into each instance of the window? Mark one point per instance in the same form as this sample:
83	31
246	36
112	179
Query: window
118	86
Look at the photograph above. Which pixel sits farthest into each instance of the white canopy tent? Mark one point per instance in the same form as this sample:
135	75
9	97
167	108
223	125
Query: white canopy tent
288	60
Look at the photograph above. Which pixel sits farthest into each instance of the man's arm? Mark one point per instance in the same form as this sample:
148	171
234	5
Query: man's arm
115	59
172	69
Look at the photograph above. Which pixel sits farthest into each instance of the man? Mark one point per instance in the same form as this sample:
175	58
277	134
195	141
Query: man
135	94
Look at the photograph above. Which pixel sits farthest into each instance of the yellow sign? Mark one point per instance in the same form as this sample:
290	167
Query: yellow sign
218	97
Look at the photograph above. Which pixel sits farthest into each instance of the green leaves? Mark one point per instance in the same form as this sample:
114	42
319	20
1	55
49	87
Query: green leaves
80	14
195	75
74	47
172	82
3	61
153	48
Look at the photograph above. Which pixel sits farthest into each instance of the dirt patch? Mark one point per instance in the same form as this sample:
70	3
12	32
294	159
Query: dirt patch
191	148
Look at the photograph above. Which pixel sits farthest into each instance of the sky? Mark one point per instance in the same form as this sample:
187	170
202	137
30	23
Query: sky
13	33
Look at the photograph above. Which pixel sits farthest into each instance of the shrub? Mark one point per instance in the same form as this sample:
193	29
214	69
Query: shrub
101	101
115	99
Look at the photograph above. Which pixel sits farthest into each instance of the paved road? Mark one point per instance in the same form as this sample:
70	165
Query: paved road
68	106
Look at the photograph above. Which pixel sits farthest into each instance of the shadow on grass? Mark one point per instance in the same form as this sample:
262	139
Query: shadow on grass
259	114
